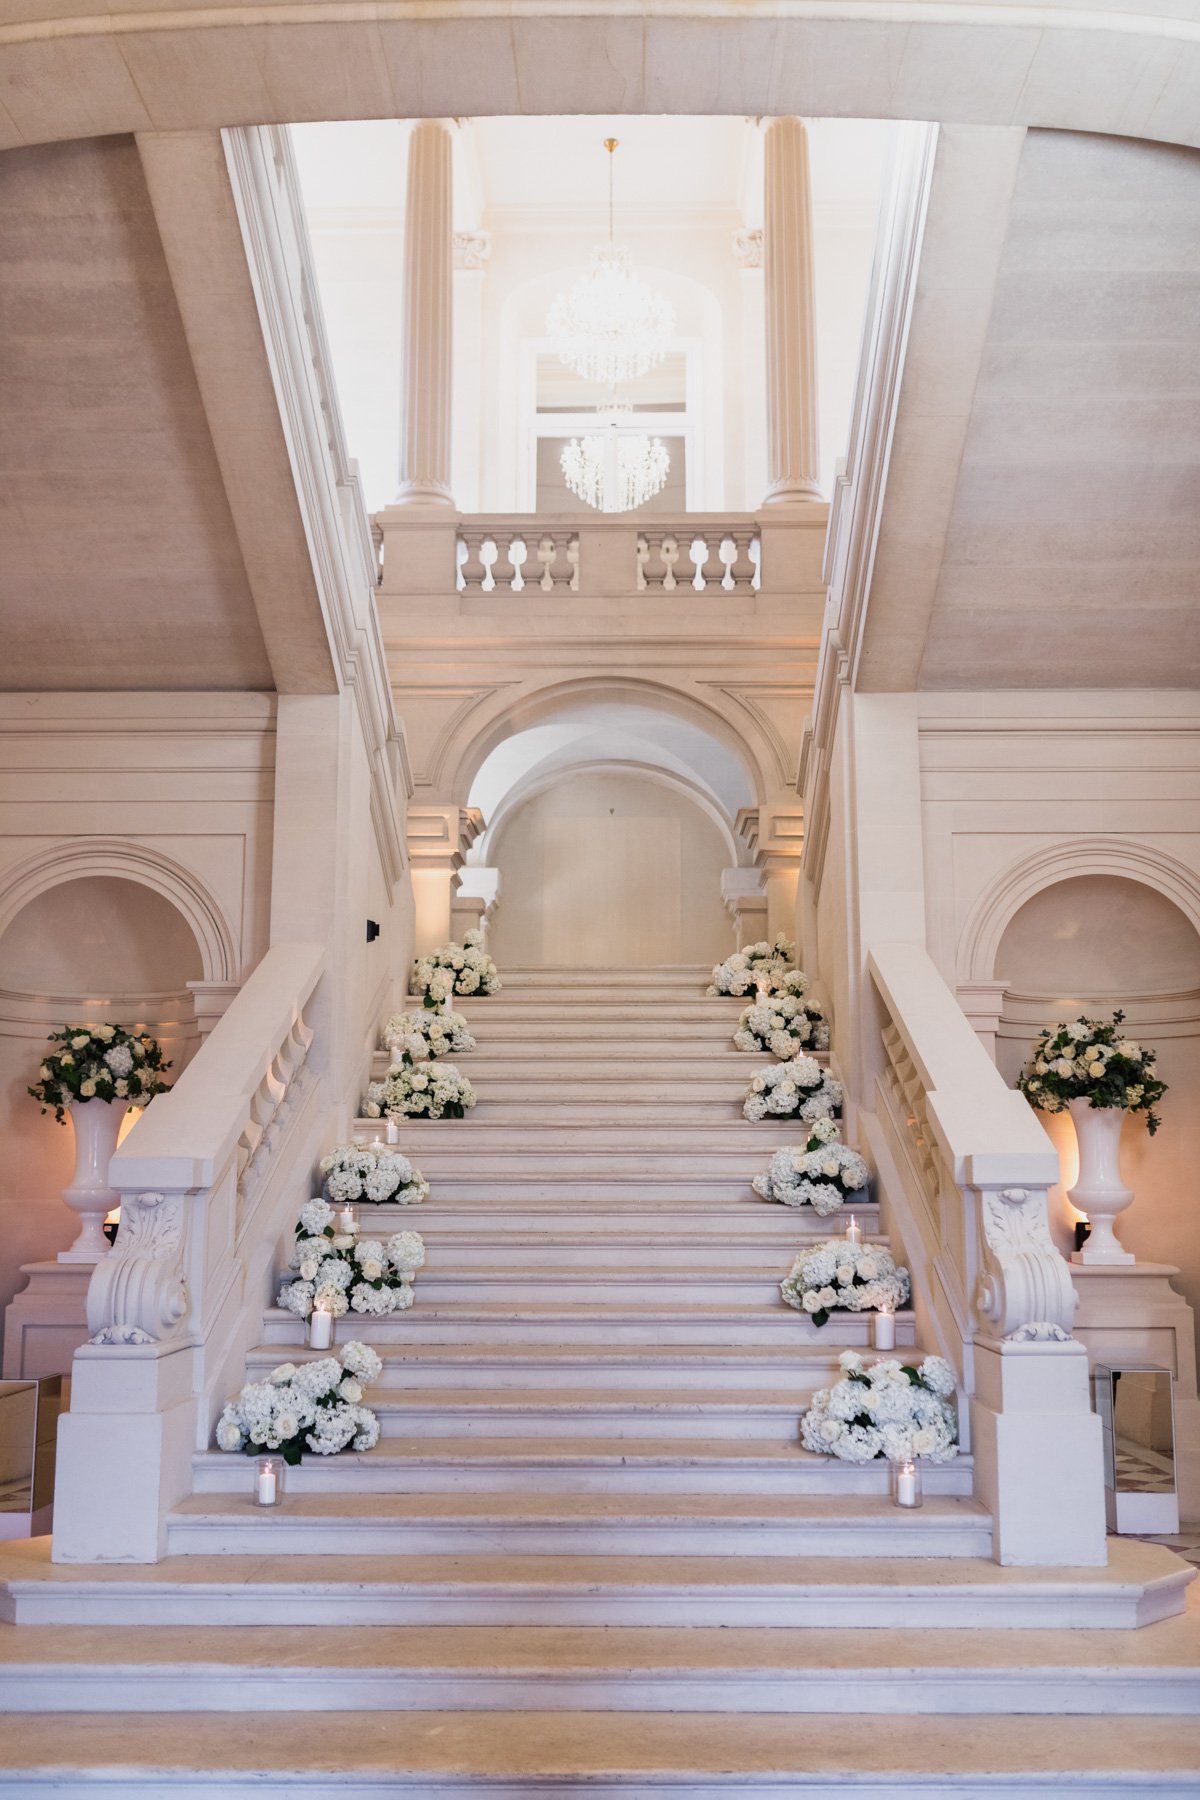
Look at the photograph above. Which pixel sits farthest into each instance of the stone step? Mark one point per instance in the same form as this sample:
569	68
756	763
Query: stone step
749	1222
630	1286
545	1116
604	1465
515	1060
581	1368
515	1755
711	1029
588	1525
1142	1584
628	1008
683	1153
531	1322
513	1251
541	1096
555	975
1098	1675
506	1182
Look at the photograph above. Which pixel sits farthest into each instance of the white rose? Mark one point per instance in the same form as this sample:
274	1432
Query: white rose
811	1302
829	1166
103	1032
77	1043
87	1090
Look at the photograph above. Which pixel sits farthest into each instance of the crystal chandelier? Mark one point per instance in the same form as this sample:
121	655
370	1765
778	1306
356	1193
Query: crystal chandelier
612	326
615	470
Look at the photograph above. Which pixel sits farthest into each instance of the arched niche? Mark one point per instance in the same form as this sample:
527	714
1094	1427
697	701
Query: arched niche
609	866
1089	944
91	948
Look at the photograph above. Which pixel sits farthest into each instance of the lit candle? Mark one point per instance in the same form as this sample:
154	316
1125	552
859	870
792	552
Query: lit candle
908	1492
393	1132
320	1327
853	1231
266	1487
884	1323
345	1222
376	1145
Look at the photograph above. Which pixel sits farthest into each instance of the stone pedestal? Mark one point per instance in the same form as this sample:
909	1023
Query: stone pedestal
1129	1312
46	1322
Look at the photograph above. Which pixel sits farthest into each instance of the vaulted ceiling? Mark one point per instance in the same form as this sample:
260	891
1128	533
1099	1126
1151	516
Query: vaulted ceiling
1041	525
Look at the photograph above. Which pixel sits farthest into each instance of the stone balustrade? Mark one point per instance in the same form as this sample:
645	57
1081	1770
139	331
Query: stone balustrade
964	1168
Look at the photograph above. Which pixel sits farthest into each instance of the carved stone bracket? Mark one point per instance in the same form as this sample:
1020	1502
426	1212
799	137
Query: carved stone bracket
138	1294
1025	1293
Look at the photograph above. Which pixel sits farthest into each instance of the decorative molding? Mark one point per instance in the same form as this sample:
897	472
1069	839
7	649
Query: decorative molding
269	204
741	694
127	860
1024	1291
748	247
472	249
856	510
138	1294
1062	861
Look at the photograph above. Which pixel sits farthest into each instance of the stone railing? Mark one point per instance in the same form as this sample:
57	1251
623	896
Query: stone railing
964	1169
208	1180
514	554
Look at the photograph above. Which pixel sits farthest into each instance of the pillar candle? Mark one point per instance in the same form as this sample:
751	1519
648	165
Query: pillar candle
853	1231
884	1324
266	1489
320	1328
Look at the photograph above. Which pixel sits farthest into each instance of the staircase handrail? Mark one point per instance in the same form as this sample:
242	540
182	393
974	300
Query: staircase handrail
976	1166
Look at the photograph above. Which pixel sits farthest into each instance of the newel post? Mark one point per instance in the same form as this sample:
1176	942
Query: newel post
1037	1443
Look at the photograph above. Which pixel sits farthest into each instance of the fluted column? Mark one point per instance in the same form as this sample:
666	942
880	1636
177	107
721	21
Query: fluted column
427	320
792	464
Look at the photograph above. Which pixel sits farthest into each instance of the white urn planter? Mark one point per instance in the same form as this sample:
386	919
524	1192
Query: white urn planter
1099	1192
97	1125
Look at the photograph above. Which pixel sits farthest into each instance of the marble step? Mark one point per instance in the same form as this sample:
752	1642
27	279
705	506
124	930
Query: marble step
1100	1675
550	1025
513	1251
580	1368
629	1286
542	1095
686	1148
588	1525
749	1221
583	1322
630	1008
557	975
554	1755
742	1415
1142	1584
517	1060
604	1465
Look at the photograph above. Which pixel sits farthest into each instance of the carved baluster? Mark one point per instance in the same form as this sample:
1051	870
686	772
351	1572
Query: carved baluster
671	553
472	569
710	564
651	569
547	550
742	567
573	560
510	562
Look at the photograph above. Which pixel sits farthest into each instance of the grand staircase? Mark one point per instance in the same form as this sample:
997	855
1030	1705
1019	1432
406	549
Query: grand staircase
588	1550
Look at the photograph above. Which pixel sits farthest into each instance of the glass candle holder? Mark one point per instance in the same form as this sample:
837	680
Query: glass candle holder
906	1483
392	1132
268	1481
320	1328
853	1231
883	1329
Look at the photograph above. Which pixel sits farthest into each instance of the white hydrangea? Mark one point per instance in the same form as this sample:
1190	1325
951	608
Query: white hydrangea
799	1089
382	1177
363	1275
434	1090
840	1276
464	968
782	1025
119	1059
423	1036
759	967
819	1173
885	1409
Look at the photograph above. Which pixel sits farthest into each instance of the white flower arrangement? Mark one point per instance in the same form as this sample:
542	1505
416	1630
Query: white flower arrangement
344	1274
422	1037
431	1091
819	1173
889	1409
313	1406
798	1089
1094	1061
464	968
762	966
99	1062
382	1177
782	1025
838	1276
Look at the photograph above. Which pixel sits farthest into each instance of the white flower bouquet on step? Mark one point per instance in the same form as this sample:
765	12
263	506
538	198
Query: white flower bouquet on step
782	1025
381	1177
313	1406
429	1091
888	1409
422	1037
798	1089
819	1173
345	1274
464	968
759	967
838	1276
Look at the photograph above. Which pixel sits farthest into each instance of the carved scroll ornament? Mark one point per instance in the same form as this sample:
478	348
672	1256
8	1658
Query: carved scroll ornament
1025	1293
138	1294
